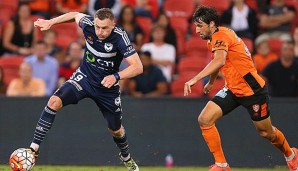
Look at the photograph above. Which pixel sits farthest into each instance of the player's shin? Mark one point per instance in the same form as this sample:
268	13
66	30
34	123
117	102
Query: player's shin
282	144
122	144
44	124
213	141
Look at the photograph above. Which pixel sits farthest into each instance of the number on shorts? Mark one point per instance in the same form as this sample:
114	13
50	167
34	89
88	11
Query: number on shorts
78	77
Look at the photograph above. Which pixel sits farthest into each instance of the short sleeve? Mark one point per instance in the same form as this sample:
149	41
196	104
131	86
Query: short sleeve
220	42
124	45
86	21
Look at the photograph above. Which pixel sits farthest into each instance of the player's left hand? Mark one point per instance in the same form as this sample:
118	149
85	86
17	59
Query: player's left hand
108	81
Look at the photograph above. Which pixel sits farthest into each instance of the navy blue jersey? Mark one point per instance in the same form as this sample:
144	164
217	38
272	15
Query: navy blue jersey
103	57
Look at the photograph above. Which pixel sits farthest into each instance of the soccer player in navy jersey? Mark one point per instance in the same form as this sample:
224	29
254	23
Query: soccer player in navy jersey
97	77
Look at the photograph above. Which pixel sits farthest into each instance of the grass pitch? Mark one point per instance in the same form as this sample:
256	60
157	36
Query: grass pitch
99	168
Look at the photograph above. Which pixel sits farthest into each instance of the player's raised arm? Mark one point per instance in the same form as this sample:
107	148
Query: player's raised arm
68	17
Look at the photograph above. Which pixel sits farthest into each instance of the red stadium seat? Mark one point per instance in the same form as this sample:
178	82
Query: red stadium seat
10	67
196	46
180	25
9	4
66	33
179	8
177	88
191	65
218	85
252	4
220	6
146	25
275	45
249	43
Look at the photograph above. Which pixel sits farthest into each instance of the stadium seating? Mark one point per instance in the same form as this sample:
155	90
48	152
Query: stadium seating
275	45
66	33
179	8
191	64
196	46
252	4
10	67
220	6
249	43
177	88
9	4
146	24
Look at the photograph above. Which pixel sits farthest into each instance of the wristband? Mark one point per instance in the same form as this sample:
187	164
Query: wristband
117	76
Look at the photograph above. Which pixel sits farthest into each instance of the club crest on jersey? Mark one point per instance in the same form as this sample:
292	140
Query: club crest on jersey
256	108
108	47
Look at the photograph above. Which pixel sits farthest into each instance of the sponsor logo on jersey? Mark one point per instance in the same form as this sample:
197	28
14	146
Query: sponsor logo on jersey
108	47
90	57
90	39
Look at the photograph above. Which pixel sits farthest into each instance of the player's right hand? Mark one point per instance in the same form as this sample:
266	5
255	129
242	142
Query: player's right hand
208	87
43	24
188	85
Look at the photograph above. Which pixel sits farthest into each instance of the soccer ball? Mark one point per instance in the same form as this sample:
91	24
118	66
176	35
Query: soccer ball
22	160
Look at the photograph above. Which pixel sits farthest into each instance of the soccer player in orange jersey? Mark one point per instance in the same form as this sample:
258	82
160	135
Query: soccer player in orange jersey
243	87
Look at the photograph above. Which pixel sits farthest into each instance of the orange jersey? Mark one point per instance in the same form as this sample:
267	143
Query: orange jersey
239	71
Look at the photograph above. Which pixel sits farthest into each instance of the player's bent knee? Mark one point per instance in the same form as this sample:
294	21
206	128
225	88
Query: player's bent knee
55	103
118	133
204	120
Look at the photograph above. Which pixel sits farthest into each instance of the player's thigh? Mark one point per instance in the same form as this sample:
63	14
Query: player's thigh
221	104
70	93
110	106
257	105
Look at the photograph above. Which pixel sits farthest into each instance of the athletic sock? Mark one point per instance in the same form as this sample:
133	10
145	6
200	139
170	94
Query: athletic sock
122	144
281	143
213	141
44	124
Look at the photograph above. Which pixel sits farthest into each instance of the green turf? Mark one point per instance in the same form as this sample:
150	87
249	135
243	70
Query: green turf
97	168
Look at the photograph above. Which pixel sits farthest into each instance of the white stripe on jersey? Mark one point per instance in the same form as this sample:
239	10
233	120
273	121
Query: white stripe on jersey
100	54
123	34
87	21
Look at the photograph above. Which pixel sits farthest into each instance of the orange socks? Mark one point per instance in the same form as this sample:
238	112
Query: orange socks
281	143
213	141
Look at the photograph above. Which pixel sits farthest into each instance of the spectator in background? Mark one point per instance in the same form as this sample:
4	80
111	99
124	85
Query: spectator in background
282	75
151	82
65	6
295	38
164	20
241	18
264	56
163	54
41	8
2	82
145	8
44	66
277	20
19	34
74	58
114	5
127	20
50	39
26	85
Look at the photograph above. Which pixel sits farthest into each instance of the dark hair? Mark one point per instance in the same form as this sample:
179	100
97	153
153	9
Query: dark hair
162	13
121	15
104	13
146	53
16	17
206	14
